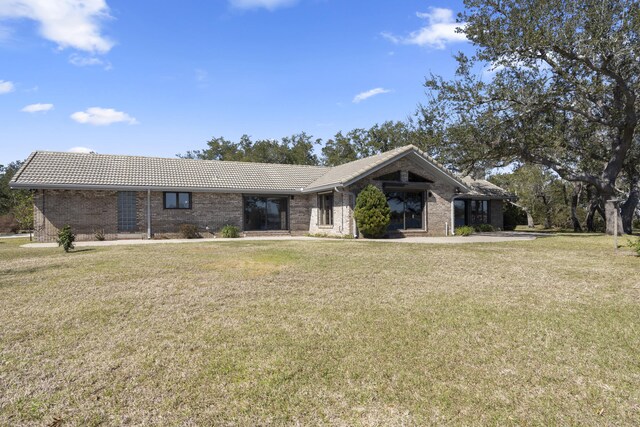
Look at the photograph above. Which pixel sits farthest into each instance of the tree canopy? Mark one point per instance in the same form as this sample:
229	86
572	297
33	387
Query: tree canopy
296	149
562	91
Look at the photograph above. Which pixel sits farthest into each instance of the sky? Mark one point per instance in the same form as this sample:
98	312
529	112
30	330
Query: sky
158	78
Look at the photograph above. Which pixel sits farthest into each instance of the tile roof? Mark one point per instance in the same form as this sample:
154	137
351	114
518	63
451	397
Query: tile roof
45	169
52	169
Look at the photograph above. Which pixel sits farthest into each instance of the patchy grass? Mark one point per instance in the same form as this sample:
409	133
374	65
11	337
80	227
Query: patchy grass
333	332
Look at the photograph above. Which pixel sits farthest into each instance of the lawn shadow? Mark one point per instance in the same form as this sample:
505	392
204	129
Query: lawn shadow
75	251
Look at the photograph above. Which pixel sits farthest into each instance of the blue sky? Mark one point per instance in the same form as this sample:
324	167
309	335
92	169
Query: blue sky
158	78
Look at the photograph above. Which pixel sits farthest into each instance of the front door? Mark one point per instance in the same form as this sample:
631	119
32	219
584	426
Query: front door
406	209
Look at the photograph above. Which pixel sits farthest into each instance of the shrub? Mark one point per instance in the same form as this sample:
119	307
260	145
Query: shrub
484	228
636	223
465	230
230	231
372	212
512	216
99	235
66	238
189	231
635	245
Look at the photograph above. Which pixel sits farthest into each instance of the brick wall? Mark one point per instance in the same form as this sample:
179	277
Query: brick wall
85	211
341	216
214	210
300	207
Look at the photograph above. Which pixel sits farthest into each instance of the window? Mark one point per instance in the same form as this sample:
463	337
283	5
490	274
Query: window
479	212
127	211
325	209
417	178
471	212
265	213
174	200
393	176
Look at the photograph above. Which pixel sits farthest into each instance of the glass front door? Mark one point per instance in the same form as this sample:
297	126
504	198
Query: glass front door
460	212
406	209
265	213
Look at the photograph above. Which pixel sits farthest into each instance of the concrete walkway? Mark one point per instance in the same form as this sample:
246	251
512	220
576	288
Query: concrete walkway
478	238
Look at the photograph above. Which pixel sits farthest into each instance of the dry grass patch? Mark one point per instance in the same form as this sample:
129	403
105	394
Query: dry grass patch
331	332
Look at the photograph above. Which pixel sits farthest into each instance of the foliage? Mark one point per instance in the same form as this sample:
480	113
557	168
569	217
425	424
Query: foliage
372	212
512	216
23	209
465	230
635	245
561	91
6	194
99	235
540	192
484	228
359	143
189	231
230	231
19	203
66	238
297	149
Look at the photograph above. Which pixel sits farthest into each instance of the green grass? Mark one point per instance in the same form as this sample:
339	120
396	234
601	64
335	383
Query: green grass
333	332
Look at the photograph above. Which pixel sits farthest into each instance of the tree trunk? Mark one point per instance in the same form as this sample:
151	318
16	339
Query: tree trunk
628	209
613	218
575	198
530	223
594	206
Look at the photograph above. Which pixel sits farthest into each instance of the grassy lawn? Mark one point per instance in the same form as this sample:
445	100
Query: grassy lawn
333	332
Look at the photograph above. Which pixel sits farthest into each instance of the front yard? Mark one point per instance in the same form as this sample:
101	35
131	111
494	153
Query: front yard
332	332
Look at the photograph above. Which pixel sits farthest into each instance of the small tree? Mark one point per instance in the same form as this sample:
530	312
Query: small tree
372	212
66	238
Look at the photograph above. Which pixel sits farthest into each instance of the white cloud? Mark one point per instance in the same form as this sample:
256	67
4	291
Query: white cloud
6	87
368	94
80	150
257	4
440	30
87	61
68	23
102	116
36	108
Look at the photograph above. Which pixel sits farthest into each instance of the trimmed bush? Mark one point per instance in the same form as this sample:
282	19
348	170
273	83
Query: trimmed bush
484	228
66	238
190	231
465	230
230	231
372	212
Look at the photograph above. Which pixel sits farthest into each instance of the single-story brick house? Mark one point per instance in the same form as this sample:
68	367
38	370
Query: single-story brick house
141	197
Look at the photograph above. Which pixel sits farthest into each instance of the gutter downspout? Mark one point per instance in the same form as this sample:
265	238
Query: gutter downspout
353	220
148	213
